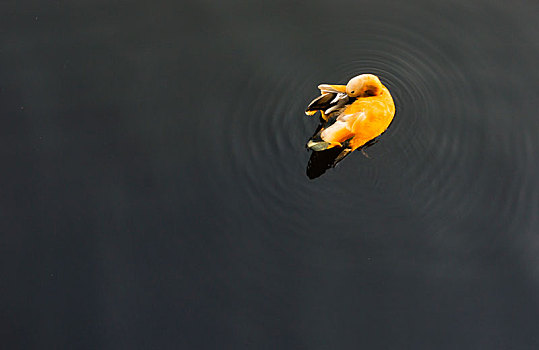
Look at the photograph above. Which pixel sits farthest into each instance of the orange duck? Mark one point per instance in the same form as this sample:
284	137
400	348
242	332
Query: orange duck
352	115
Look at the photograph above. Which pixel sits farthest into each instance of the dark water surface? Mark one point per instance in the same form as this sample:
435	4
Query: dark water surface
153	190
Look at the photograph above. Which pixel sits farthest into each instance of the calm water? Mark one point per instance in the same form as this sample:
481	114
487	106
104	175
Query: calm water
154	191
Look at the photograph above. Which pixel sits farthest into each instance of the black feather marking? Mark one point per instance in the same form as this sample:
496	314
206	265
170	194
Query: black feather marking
322	102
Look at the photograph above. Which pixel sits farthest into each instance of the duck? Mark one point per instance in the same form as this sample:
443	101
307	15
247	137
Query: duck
352	116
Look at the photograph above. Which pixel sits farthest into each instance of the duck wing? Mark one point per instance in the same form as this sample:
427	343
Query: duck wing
328	103
338	129
322	102
316	143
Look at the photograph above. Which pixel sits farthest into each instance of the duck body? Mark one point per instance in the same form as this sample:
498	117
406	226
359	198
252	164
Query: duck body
352	116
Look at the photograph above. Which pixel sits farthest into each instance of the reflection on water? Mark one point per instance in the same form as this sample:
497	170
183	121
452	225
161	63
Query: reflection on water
155	189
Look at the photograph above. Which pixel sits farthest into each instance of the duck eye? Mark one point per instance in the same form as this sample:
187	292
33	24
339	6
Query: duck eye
353	92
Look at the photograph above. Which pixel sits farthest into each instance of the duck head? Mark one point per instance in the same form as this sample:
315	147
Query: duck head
364	85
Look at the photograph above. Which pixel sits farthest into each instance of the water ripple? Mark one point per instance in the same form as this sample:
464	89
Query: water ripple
425	158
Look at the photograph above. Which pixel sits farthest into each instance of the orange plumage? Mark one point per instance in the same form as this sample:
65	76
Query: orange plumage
352	114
